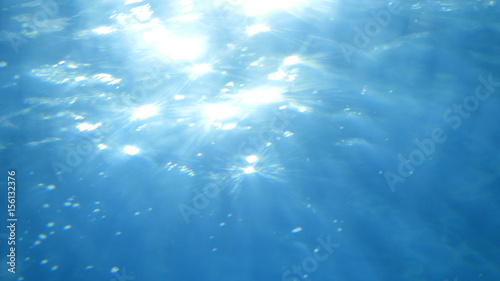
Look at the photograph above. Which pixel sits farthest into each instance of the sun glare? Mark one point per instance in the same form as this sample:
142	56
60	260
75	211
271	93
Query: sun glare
252	159
291	60
262	7
145	111
131	150
261	96
220	111
257	28
200	69
181	48
249	170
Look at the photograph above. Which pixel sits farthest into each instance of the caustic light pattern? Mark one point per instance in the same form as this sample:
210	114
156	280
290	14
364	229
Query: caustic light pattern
190	81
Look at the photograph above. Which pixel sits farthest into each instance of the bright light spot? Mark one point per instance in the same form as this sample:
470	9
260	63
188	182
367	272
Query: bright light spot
258	28
187	18
131	150
181	48
3	64
229	126
188	5
142	13
105	77
297	229
145	111
302	109
44	261
220	111
261	7
156	34
80	78
179	97
115	269
50	224
261	96
201	69
104	30
291	78
249	170
87	126
128	2
252	159
102	146
278	75
51	187
291	60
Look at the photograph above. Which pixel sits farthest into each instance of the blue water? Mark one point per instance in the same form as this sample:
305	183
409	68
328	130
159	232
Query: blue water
251	140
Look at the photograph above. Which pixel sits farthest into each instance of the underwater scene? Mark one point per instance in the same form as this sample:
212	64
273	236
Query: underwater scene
249	140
